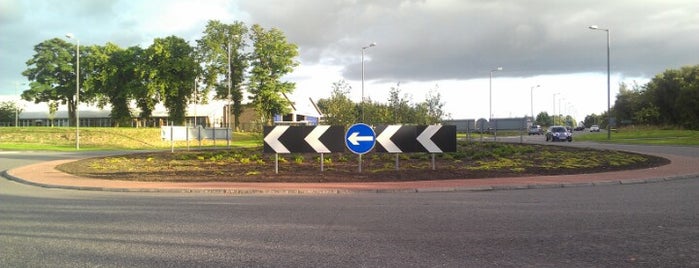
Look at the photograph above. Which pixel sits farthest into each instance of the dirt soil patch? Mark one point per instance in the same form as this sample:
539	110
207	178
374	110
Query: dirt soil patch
472	160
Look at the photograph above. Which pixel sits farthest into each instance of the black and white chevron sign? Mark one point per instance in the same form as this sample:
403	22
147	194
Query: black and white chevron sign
303	139
415	139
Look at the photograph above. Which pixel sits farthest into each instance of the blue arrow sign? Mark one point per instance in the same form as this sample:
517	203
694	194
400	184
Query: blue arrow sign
360	138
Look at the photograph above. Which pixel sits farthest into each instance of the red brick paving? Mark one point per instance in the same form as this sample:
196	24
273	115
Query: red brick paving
44	174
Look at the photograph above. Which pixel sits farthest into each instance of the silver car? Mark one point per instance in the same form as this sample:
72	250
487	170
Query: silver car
559	133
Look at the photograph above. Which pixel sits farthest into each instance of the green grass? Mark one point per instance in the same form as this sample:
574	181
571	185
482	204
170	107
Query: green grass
651	136
63	139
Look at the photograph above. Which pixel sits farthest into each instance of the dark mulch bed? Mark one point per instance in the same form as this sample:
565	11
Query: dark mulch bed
473	160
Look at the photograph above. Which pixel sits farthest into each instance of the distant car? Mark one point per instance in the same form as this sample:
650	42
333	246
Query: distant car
579	128
559	133
594	128
535	130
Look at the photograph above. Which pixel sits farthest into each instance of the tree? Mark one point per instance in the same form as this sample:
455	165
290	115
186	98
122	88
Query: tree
399	106
115	78
675	93
272	58
53	108
433	106
8	111
339	109
544	119
628	102
377	113
591	119
220	43
647	115
171	69
688	100
51	72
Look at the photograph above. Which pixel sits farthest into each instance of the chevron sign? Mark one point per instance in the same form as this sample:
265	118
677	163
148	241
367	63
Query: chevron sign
415	139
303	139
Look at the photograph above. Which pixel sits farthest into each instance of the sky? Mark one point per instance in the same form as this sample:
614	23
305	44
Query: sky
549	58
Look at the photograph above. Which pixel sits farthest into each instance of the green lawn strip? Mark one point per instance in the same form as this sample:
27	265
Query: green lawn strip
645	136
63	139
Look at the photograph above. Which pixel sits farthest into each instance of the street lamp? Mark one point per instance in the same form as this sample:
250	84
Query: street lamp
532	100
553	114
560	110
364	48
77	90
609	115
490	91
17	84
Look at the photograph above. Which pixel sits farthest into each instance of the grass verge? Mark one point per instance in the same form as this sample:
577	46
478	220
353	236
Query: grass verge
63	139
650	136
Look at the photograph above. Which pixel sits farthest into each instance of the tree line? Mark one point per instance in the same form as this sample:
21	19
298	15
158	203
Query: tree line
668	99
170	71
339	109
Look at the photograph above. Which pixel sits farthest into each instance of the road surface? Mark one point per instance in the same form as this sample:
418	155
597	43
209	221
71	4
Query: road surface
646	225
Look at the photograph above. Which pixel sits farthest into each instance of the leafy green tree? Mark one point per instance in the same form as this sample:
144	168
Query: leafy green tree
399	106
339	110
543	119
628	102
649	115
376	113
688	100
674	93
222	49
115	77
7	112
433	108
53	108
171	69
272	58
51	72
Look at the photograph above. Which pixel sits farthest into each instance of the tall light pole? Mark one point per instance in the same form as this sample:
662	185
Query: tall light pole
490	91
560	110
362	106
77	90
609	100
553	115
532	100
17	104
229	84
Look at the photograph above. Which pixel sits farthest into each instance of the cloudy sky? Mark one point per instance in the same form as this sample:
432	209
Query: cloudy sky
447	46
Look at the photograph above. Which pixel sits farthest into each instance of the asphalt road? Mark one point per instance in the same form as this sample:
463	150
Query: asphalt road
639	225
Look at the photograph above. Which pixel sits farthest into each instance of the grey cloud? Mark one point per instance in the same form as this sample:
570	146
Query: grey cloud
431	40
417	40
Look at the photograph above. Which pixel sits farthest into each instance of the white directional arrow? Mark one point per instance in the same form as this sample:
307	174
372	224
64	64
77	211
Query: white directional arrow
272	139
425	138
313	139
385	139
354	138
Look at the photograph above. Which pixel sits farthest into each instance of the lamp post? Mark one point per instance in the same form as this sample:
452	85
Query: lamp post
490	91
229	84
77	90
364	48
609	115
553	114
17	104
560	110
532	100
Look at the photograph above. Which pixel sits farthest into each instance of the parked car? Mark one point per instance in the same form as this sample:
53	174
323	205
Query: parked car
559	133
579	128
594	128
535	130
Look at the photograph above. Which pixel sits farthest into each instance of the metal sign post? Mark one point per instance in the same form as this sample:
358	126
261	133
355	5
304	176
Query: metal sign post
360	139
